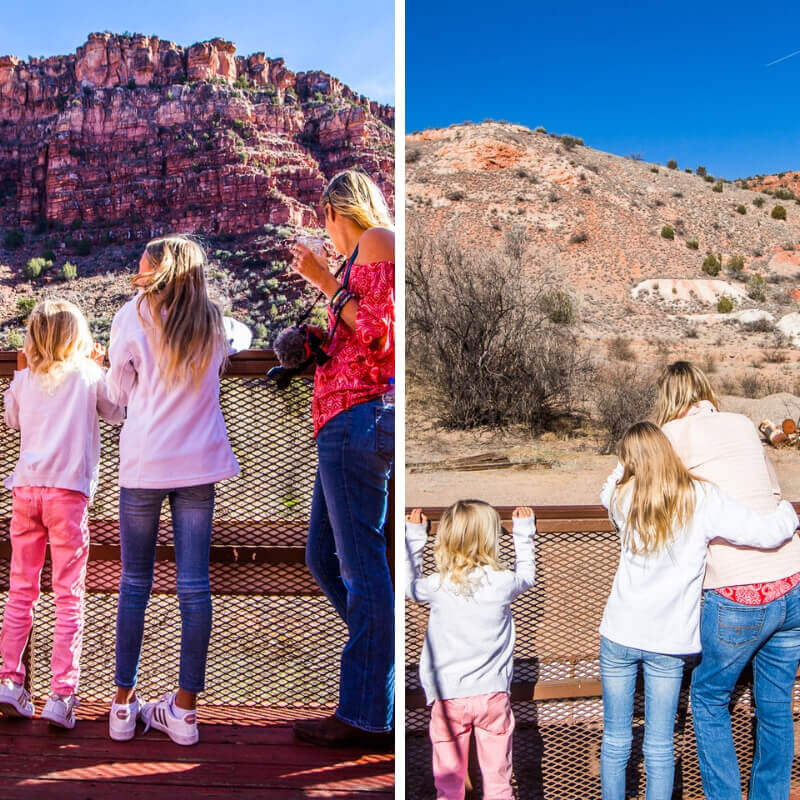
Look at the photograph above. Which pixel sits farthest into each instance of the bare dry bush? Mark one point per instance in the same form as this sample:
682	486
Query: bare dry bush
626	394
476	328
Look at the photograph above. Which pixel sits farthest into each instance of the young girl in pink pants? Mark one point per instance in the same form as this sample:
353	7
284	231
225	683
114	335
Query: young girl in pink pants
54	403
468	655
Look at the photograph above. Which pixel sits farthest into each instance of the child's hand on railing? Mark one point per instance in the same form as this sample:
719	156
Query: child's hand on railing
522	512
98	354
416	517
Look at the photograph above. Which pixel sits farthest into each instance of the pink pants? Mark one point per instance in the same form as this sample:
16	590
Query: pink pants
62	516
452	722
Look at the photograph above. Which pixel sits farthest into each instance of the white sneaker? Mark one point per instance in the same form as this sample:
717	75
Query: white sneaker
60	710
161	715
15	700
122	720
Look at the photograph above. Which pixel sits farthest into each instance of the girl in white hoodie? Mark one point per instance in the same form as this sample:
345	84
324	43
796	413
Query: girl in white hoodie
666	518
168	348
468	656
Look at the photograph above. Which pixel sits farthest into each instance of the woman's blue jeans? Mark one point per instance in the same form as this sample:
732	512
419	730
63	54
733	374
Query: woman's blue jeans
732	635
346	554
662	685
139	511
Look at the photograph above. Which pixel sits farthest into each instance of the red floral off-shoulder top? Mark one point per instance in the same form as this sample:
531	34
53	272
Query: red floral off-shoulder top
362	360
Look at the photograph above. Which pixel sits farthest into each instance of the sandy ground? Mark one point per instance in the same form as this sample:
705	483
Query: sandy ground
548	470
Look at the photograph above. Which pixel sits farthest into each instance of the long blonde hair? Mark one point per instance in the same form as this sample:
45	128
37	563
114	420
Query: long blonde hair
467	538
680	386
663	490
57	341
355	195
188	323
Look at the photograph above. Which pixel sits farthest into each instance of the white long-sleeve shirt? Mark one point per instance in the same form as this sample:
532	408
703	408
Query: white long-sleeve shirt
174	435
469	644
655	599
59	431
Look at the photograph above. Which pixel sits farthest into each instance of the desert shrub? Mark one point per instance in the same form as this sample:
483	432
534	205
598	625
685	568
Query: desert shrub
783	194
701	171
711	265
691	333
455	195
654	169
412	156
761	325
735	263
579	237
571	141
757	287
668	232
35	266
476	328
672	164
779	212
626	394
717	187
677	195
69	271
692	244
724	305
83	247
620	348
25	305
750	384
758	202
709	364
740	209
13	239
558	306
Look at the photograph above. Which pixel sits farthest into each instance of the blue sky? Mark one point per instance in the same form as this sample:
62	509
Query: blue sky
352	41
683	80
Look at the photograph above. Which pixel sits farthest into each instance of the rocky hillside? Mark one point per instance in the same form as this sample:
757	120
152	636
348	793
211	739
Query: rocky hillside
134	136
660	262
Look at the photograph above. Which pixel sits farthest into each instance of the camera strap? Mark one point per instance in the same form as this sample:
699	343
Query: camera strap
347	267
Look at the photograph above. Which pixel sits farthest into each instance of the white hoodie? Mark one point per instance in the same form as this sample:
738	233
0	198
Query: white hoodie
173	436
655	599
59	431
469	644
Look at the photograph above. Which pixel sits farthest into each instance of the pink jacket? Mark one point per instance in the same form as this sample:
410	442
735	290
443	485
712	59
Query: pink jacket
726	450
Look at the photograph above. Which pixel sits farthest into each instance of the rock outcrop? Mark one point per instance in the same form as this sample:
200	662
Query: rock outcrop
134	135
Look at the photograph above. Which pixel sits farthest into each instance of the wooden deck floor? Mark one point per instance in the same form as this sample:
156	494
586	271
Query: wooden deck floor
242	753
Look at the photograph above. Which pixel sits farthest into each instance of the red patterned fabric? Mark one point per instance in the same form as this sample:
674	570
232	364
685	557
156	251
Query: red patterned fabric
757	594
362	360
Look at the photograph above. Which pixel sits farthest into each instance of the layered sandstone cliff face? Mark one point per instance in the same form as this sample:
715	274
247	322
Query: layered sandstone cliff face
133	136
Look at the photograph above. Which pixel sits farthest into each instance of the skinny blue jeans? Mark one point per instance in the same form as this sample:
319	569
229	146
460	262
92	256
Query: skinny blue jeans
662	685
346	554
139	511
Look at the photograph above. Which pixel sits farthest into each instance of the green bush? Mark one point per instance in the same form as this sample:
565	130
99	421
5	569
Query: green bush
15	340
735	263
740	209
668	232
724	305
672	164
711	265
570	141
758	202
69	271
654	169
756	288
25	305
709	178
717	187
692	244
779	212
558	306
35	266
13	239
701	171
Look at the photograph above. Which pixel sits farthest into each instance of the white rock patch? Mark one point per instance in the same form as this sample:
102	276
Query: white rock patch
673	290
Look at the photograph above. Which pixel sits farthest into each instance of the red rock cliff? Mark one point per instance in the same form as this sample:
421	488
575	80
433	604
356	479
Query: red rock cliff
133	135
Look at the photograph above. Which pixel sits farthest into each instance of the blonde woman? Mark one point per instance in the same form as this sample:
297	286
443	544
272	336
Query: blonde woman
353	412
751	602
666	517
168	347
468	655
54	403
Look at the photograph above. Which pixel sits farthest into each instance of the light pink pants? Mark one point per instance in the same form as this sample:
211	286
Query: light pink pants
62	516
489	716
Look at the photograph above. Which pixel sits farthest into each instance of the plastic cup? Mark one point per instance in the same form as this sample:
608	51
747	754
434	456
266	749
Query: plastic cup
315	244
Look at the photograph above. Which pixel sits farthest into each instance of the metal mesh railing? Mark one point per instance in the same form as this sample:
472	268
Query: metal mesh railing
556	692
275	640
